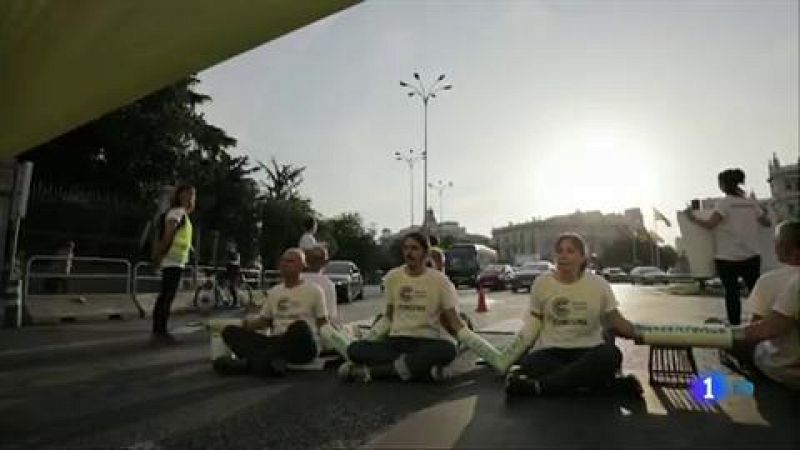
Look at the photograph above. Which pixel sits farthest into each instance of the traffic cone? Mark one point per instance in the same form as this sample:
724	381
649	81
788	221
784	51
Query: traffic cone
482	307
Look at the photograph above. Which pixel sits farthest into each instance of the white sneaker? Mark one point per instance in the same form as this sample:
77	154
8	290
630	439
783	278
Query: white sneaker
441	373
349	371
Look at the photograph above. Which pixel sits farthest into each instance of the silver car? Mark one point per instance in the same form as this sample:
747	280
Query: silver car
348	280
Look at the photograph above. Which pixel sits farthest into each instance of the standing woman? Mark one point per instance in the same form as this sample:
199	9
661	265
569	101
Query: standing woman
172	254
575	308
734	224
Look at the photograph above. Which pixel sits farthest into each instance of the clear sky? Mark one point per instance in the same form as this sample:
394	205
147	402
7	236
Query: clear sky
556	105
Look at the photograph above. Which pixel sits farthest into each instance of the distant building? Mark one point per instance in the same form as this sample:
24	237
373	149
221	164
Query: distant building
537	237
447	231
784	184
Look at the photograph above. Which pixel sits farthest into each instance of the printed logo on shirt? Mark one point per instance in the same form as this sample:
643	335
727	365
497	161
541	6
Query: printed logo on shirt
560	307
283	304
405	293
564	311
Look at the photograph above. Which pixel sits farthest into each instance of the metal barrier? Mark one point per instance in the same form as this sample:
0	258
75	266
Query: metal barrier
80	275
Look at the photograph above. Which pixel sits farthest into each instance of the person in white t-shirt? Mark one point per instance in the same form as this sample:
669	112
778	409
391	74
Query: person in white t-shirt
172	254
734	224
575	307
307	240
777	358
420	319
777	354
294	311
316	260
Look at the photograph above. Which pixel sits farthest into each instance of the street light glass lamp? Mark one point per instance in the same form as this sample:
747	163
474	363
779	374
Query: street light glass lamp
416	75
403	83
447	87
441	77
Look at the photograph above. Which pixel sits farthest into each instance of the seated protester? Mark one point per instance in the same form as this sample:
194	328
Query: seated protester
777	357
770	284
436	259
571	352
316	260
421	308
777	354
294	310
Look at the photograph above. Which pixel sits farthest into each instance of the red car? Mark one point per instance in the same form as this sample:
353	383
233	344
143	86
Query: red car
496	277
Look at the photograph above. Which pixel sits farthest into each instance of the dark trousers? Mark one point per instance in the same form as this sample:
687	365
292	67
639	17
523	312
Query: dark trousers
421	354
296	345
565	369
729	273
170	278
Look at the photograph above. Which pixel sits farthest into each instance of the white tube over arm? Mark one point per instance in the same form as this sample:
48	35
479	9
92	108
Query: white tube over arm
481	347
685	335
523	340
335	339
379	330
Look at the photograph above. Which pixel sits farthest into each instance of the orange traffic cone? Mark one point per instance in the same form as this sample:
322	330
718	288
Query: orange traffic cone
482	307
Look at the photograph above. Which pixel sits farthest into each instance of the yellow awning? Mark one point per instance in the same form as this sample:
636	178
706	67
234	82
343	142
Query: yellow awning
66	62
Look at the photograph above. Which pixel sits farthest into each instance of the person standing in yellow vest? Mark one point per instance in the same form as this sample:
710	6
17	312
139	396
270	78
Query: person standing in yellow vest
172	254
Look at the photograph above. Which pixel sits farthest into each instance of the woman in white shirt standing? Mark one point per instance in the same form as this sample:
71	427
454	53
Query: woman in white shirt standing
575	307
734	224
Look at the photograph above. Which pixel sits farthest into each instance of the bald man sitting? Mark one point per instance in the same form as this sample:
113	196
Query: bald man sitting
294	311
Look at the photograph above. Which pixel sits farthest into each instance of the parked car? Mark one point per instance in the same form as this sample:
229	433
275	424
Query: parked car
614	275
347	278
648	275
527	273
496	276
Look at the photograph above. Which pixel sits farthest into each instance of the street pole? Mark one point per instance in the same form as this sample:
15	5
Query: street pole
425	94
440	186
409	157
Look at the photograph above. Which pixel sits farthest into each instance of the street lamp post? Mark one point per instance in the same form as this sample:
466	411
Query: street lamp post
409	157
425	94
440	187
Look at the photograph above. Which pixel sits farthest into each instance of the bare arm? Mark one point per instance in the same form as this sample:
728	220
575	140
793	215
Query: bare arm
774	325
621	326
452	323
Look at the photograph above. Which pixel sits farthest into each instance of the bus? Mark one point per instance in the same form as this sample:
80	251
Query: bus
464	262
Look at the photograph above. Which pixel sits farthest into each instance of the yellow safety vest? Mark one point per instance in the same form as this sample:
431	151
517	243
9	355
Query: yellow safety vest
181	242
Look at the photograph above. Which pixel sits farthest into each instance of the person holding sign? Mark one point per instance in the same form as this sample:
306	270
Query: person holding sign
734	224
573	307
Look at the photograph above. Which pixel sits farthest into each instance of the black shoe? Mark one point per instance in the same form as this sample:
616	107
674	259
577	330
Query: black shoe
274	367
627	385
225	365
520	384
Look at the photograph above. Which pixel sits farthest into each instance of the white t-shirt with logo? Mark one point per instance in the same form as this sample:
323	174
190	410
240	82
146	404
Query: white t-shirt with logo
175	214
767	288
736	235
286	305
418	301
779	358
328	291
572	314
307	241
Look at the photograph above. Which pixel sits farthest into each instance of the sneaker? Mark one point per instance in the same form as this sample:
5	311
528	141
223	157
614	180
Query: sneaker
225	365
520	384
627	385
441	373
349	371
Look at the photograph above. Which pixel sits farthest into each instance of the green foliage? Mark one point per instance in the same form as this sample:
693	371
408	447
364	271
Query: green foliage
347	238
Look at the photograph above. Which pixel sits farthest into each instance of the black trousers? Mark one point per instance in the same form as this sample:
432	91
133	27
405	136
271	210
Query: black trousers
421	354
729	273
296	345
170	279
560	370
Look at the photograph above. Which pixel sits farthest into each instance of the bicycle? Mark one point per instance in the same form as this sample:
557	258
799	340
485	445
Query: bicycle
216	293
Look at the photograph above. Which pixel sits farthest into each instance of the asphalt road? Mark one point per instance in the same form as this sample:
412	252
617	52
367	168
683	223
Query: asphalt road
98	385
